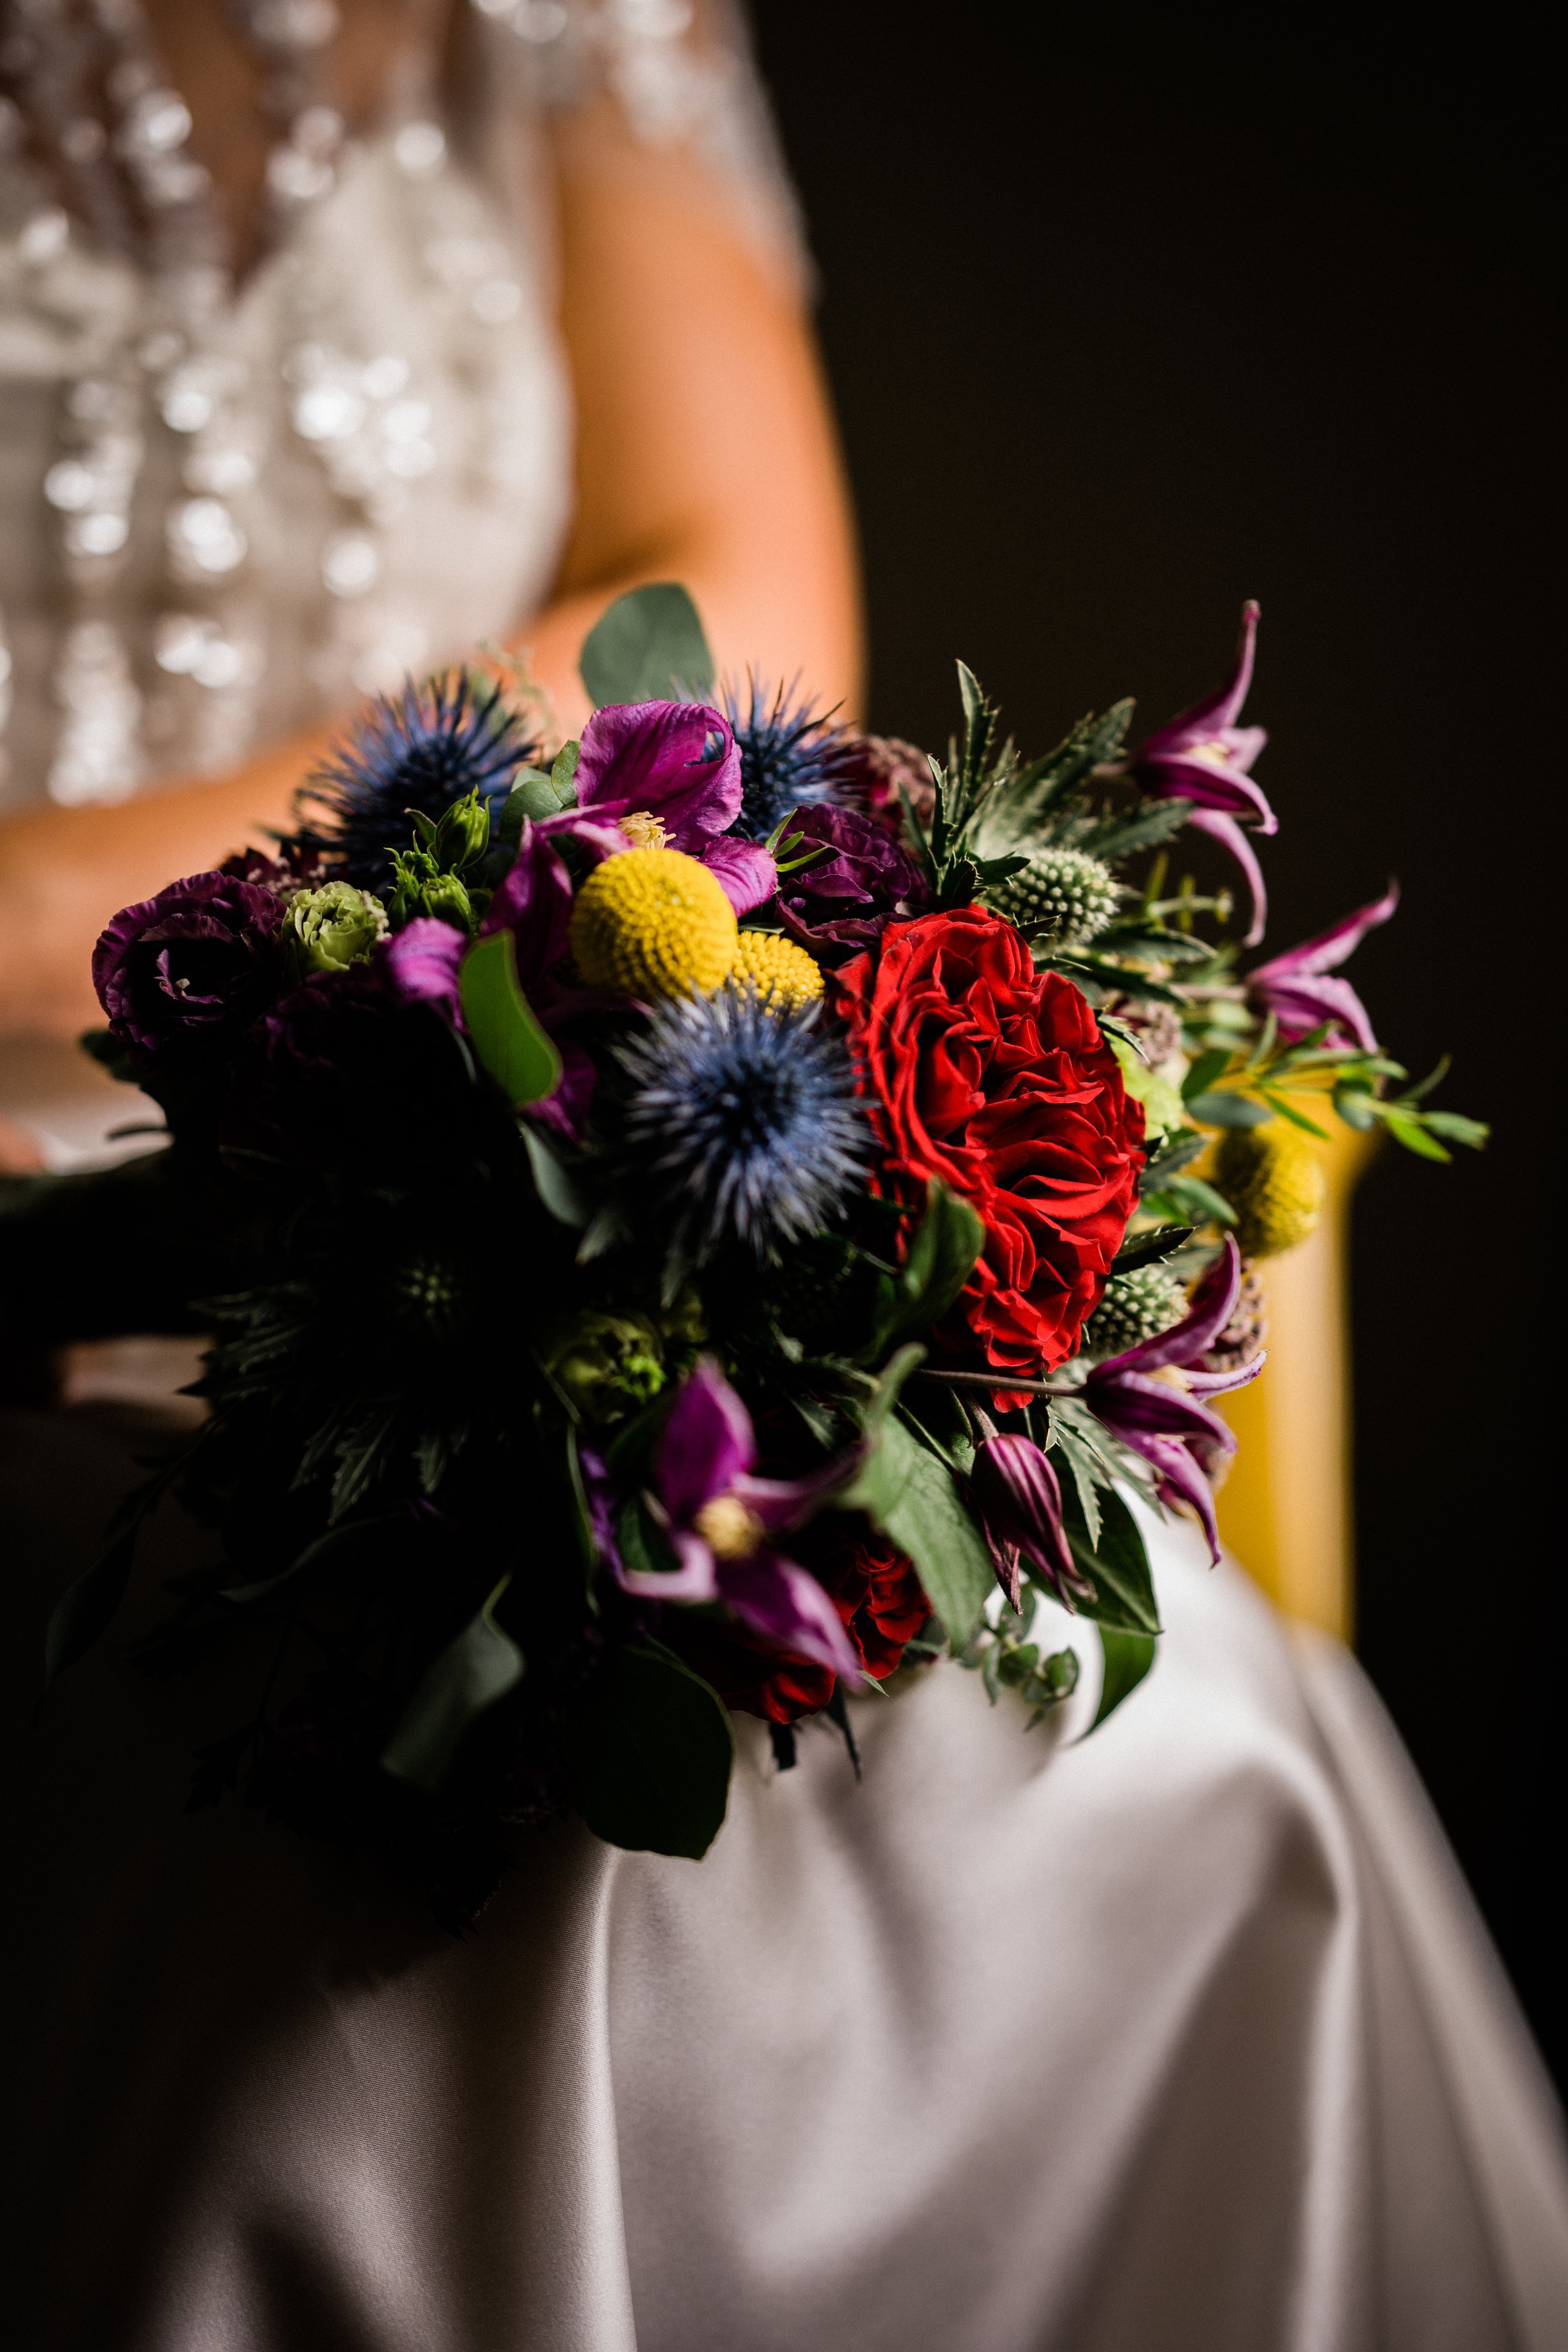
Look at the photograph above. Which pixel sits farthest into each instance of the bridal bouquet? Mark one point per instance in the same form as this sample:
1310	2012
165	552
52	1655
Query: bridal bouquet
716	1216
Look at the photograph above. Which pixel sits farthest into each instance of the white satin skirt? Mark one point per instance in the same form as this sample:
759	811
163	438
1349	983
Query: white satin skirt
1184	2035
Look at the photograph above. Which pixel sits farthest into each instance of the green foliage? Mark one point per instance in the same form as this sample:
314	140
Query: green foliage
519	1054
649	646
1117	1565
463	1682
650	1747
537	794
915	1499
1006	1661
941	1257
1127	1658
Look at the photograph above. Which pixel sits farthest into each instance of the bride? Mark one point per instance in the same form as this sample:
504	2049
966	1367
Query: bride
337	337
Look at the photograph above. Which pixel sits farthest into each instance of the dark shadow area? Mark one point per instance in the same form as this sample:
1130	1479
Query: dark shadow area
1126	320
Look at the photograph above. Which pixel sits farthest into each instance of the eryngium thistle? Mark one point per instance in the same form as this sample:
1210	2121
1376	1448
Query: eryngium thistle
1136	1306
792	757
738	1123
1063	895
423	749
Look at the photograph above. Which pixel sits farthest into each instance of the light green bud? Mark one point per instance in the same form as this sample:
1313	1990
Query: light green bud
463	833
332	927
606	1364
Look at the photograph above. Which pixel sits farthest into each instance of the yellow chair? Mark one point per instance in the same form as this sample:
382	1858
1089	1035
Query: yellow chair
1285	1510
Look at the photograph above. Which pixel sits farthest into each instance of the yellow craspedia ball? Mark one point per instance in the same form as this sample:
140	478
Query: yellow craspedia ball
782	974
1275	1181
651	923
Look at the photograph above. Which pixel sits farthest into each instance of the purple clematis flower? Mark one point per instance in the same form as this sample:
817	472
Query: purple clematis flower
843	900
721	1523
1203	757
1016	1491
676	762
534	903
1148	1397
1298	988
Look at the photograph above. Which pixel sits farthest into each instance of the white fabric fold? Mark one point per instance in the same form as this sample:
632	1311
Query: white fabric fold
1183	2035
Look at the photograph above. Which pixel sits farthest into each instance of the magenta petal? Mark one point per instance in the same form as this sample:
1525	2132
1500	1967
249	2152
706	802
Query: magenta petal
745	871
652	756
1210	784
1331	948
694	1578
786	1605
1020	1500
782	1503
1301	1003
533	902
1195	1334
1219	710
422	960
1219	1383
1226	830
706	1442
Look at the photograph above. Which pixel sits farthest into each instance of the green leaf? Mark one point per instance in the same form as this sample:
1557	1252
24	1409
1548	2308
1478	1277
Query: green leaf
1353	1104
553	1183
1297	1117
1457	1128
1193	1198
532	796
947	1241
1150	822
564	772
914	1498
86	1610
1205	1071
1228	1110
1414	1137
1174	1153
459	1685
1127	1658
1118	1566
1147	1249
508	1039
651	1749
647	647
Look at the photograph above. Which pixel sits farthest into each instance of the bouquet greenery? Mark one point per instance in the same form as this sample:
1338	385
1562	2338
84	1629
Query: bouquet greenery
718	1215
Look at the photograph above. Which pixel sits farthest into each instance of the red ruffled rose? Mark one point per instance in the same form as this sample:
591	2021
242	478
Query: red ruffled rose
996	1078
877	1593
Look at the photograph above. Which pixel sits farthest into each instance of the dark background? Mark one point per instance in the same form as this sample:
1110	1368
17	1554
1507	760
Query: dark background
1127	319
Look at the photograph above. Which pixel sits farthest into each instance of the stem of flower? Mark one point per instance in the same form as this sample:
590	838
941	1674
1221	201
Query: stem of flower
995	1380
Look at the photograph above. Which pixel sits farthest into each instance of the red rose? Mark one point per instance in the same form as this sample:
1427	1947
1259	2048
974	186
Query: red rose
877	1593
996	1078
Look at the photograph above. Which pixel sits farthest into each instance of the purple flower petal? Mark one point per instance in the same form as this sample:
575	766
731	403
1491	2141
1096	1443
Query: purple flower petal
678	760
1295	987
787	1606
745	871
706	1445
1229	835
422	962
1195	1334
1020	1500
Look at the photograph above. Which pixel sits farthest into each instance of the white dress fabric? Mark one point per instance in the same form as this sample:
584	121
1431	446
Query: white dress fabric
1185	2036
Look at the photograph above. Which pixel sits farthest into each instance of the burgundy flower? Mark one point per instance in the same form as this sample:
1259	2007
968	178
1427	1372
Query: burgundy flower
1014	1490
1148	1397
675	762
842	898
183	975
1298	987
1203	757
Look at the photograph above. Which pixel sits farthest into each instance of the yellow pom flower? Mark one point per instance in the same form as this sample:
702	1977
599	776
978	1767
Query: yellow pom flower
782	974
1274	1180
652	923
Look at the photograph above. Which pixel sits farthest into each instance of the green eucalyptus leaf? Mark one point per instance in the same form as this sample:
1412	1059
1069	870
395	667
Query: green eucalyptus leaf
457	1686
651	1749
1127	1658
1228	1110
649	646
508	1039
555	1183
564	774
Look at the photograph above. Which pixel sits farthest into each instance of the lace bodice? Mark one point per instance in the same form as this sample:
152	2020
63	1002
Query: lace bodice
227	510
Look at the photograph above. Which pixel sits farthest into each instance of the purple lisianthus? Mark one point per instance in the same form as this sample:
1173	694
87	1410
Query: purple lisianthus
721	1524
1149	1396
843	880
676	762
183	975
1014	1490
1203	757
1299	987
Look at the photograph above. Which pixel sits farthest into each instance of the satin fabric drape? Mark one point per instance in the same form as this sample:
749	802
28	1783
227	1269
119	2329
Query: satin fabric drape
1185	2036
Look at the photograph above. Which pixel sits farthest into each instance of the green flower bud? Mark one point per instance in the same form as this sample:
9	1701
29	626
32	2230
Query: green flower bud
463	833
330	927
606	1364
1062	895
445	896
431	1294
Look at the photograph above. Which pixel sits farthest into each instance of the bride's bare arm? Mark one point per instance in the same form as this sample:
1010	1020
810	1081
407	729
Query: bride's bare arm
705	454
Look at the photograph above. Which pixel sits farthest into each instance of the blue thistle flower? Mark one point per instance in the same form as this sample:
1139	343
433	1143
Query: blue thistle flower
423	749
738	1123
792	757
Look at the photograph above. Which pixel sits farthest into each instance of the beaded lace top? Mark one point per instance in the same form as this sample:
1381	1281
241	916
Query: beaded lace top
233	499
